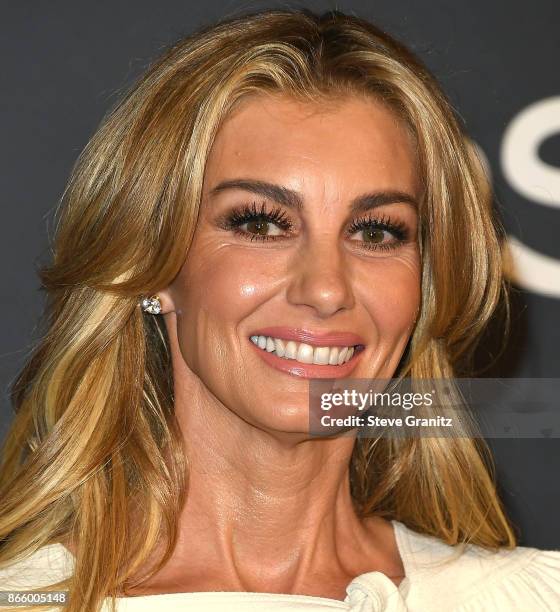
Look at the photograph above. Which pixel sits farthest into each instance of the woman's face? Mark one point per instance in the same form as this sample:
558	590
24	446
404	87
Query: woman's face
305	251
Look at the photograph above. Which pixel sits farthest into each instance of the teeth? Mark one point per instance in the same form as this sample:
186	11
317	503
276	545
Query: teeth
341	355
321	355
304	353
280	347
333	358
291	350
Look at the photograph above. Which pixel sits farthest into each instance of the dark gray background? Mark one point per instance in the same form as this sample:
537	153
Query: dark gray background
64	62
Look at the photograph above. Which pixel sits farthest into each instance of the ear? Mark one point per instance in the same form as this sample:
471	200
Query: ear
166	299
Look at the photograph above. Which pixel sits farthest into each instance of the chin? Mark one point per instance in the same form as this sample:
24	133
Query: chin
282	417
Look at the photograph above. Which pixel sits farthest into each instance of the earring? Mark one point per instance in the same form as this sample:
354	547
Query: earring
151	305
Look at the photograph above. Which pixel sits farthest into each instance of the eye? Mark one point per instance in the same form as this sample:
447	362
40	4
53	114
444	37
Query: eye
378	233
261	226
375	235
257	224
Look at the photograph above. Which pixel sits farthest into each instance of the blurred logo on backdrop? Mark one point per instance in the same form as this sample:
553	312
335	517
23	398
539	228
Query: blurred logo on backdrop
538	182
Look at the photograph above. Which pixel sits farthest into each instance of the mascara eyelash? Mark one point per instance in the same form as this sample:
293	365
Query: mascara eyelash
397	228
249	212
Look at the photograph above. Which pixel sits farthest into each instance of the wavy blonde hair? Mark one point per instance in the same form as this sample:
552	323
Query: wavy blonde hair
95	444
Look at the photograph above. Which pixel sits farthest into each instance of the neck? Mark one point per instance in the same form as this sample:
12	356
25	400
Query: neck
266	510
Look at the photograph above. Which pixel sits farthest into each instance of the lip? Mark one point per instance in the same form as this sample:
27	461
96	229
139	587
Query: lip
314	338
308	370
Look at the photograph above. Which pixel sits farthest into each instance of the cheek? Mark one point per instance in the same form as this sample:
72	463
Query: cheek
218	287
224	281
392	294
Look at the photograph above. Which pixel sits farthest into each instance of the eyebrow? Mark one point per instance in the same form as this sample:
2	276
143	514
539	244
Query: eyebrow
292	199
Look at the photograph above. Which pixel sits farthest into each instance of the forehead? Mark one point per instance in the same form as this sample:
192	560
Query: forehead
353	141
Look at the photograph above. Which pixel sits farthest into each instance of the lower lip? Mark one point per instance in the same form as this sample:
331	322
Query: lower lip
308	370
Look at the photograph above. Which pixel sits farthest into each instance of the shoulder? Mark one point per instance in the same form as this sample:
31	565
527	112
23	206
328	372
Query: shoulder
475	579
47	565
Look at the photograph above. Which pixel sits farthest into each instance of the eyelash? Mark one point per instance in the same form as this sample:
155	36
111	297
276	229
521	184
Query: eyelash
397	228
247	213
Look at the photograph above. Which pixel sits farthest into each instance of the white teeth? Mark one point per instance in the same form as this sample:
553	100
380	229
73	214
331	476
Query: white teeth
304	353
280	347
333	358
291	350
342	355
321	355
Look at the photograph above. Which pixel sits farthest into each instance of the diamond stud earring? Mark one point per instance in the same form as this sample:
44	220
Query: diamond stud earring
151	305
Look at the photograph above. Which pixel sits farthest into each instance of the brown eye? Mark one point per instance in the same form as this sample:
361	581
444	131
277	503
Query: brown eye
378	233
373	234
258	226
253	224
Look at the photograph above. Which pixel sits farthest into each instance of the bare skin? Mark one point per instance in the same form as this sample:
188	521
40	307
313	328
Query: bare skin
269	508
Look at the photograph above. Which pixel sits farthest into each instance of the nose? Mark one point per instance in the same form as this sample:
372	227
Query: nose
320	279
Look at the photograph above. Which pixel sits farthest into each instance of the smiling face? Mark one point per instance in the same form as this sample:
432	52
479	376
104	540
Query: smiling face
305	251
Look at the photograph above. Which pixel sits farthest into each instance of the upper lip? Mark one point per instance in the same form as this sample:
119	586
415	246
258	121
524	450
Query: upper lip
314	338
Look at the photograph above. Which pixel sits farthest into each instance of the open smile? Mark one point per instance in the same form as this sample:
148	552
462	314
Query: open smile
306	354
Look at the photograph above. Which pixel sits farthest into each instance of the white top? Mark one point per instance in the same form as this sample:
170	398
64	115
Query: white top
437	580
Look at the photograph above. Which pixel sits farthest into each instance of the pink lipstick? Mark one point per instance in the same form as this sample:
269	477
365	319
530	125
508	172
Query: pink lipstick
308	353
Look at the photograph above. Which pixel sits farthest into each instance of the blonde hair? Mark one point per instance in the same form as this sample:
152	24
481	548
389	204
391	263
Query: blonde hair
94	441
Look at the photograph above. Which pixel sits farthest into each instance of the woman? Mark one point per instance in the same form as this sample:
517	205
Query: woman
282	197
